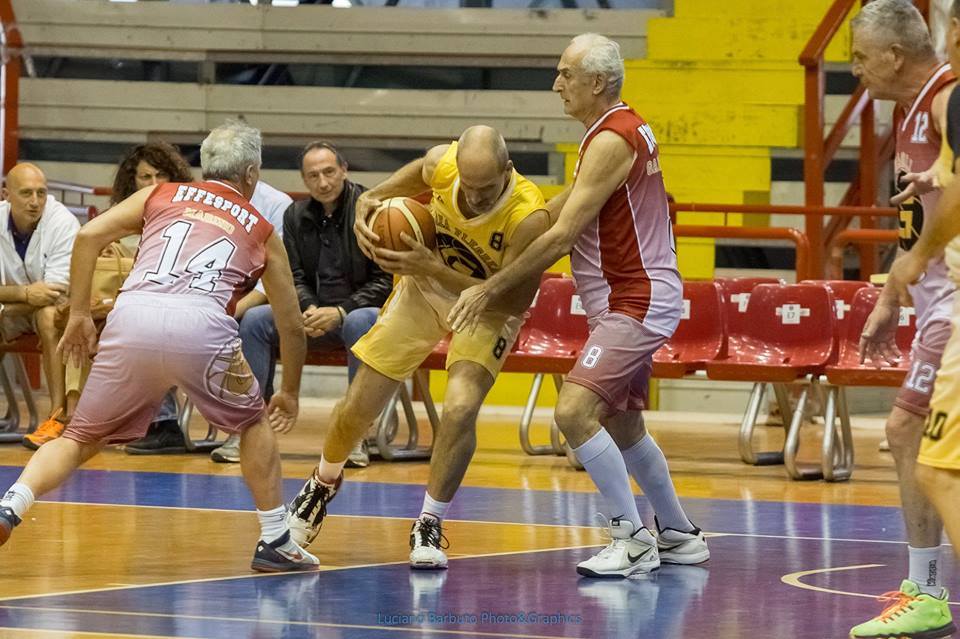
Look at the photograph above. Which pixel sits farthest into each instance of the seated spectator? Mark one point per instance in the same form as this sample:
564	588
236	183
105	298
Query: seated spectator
271	203
37	240
340	289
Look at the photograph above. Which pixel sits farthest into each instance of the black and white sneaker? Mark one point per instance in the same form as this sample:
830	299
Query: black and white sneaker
8	521
678	547
282	556
307	510
427	544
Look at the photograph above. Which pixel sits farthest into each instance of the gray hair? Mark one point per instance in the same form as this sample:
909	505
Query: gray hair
897	22
602	57
230	148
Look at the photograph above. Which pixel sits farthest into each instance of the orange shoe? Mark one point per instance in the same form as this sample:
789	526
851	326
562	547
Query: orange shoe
46	432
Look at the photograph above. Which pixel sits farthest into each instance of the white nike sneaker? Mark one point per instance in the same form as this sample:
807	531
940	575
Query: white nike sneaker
426	545
685	548
307	510
629	552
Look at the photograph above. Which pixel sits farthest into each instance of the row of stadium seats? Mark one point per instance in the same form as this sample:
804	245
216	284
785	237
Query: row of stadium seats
746	329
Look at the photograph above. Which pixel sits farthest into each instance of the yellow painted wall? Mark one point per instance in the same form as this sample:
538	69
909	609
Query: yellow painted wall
721	85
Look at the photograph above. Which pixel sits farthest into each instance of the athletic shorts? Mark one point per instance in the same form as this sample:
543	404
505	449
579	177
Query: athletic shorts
617	360
925	354
155	341
410	326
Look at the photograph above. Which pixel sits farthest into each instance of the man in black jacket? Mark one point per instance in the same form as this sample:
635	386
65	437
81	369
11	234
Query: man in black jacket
340	289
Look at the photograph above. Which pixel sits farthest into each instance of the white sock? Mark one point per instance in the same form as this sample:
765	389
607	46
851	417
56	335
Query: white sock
925	569
19	498
648	466
434	508
603	461
327	472
272	523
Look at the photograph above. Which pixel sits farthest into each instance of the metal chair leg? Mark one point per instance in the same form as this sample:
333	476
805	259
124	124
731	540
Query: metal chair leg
555	447
747	454
555	440
205	445
410	450
11	420
792	444
12	433
836	455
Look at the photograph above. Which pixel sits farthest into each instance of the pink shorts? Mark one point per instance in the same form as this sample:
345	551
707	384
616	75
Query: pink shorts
925	353
155	341
617	360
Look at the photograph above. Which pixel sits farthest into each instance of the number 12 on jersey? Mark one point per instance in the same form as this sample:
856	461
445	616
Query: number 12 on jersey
206	265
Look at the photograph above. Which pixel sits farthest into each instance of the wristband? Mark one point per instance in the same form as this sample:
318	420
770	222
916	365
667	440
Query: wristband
343	314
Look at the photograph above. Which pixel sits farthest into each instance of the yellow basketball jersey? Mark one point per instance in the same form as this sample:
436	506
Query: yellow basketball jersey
945	175
475	246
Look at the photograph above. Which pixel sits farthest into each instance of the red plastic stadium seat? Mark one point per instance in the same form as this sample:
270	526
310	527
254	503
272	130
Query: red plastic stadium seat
736	294
843	292
789	333
700	336
553	334
848	371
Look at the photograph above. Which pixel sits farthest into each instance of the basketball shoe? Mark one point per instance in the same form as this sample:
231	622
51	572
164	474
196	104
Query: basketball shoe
48	431
686	548
629	552
912	614
426	545
282	556
8	521
307	510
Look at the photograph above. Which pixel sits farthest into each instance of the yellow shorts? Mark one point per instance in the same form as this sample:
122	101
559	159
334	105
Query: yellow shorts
940	447
410	326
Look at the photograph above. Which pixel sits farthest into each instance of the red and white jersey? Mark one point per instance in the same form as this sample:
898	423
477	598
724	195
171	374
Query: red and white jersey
200	238
917	148
625	261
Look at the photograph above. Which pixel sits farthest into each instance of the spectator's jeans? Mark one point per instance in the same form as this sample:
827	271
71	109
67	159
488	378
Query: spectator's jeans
259	336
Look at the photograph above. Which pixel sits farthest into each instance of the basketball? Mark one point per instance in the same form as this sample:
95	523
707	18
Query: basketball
403	215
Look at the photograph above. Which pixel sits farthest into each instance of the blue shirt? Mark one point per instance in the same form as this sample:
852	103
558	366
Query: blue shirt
20	242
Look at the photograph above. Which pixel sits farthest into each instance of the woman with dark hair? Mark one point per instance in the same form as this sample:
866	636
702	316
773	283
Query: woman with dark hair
148	164
143	166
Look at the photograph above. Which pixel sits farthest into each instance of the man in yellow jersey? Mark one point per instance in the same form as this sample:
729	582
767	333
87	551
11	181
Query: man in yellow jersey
486	214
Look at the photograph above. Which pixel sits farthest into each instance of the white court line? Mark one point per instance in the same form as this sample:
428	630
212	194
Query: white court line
262	575
420	630
793	579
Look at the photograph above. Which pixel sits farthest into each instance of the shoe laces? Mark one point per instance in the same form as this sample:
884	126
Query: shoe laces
51	426
311	505
899	603
614	545
431	533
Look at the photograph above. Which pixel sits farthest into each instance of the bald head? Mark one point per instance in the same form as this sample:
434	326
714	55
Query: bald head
484	166
482	144
25	172
26	191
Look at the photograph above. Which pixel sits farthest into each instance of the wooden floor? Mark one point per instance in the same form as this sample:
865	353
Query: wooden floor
124	549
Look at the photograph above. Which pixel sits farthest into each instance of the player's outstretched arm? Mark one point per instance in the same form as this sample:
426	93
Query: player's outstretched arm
278	283
411	179
605	166
126	218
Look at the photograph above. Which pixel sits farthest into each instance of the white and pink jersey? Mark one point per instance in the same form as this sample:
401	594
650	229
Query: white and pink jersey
625	261
200	238
917	148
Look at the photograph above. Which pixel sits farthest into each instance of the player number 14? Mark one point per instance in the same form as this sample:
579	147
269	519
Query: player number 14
206	265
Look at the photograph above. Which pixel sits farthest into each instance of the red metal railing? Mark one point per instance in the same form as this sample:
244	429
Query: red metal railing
805	265
12	44
820	151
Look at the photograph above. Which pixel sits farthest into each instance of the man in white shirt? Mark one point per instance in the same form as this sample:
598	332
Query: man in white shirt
36	240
